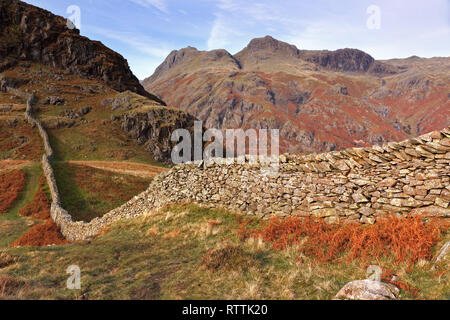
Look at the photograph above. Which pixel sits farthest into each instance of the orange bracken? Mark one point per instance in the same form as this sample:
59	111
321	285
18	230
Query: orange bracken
406	239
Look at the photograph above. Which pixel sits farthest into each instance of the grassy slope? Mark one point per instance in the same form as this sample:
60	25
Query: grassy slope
160	257
94	143
93	139
88	192
12	226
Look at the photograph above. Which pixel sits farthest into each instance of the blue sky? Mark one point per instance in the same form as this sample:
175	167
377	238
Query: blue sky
146	31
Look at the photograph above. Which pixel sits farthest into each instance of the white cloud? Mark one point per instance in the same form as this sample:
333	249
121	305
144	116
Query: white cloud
234	21
143	67
158	4
325	34
141	43
222	34
408	27
148	53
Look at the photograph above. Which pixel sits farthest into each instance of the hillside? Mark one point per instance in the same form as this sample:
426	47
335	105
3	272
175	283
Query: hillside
320	100
187	252
33	34
86	180
109	136
88	98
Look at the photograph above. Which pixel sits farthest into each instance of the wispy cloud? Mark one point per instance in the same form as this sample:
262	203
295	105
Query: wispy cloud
158	4
139	42
408	27
222	33
234	21
145	31
144	54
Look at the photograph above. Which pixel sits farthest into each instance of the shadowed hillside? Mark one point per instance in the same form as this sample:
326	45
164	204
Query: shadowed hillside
33	34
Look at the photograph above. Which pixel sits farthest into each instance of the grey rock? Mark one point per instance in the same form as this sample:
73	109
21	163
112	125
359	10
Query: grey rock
368	290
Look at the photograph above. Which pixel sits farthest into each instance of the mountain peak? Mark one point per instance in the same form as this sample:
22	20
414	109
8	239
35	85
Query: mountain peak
343	59
261	49
271	44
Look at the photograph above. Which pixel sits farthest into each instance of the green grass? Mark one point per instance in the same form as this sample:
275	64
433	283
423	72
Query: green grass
159	256
98	139
12	225
88	193
88	144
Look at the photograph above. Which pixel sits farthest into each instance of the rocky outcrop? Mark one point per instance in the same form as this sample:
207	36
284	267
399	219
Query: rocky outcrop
188	56
348	60
261	49
33	34
368	290
151	125
153	129
174	58
343	60
270	44
6	82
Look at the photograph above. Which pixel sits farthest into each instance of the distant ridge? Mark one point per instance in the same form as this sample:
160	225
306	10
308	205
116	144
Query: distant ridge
320	100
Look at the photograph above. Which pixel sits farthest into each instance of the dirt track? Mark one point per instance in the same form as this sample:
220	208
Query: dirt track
134	169
6	165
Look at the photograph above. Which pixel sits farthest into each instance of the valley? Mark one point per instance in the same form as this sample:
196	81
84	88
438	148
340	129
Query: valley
87	177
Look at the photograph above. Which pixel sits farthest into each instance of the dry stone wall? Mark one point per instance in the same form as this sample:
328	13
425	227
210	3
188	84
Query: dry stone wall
61	217
356	185
410	177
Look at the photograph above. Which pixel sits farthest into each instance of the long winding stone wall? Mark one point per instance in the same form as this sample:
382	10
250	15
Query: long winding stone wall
58	214
355	185
72	230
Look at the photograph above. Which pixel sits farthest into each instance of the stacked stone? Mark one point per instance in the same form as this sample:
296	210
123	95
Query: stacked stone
358	184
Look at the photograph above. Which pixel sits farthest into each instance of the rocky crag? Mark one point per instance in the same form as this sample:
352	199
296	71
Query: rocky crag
33	34
150	125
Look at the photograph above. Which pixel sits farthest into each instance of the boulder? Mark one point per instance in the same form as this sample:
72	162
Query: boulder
368	290
54	101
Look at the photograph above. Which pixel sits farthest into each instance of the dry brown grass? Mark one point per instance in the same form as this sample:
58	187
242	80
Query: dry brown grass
10	288
39	207
8	165
406	239
11	184
134	169
19	143
229	258
134	255
6	259
172	234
